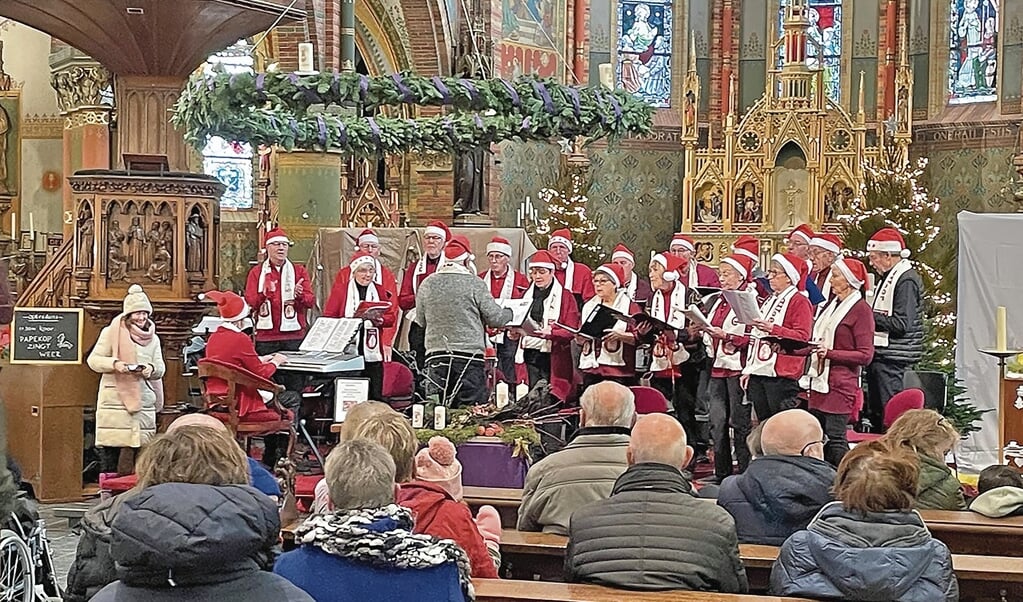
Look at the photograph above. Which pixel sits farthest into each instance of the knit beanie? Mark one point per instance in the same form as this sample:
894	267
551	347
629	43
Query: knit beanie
136	300
436	463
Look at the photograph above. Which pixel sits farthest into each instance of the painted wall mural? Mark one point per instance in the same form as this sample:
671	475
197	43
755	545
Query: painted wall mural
644	50
824	46
532	38
973	51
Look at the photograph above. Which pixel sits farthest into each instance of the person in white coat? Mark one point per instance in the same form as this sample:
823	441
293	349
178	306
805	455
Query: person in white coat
128	356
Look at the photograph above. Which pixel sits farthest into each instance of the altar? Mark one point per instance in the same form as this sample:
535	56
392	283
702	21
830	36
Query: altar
490	462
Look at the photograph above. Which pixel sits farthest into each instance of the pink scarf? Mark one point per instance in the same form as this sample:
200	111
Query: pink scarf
123	349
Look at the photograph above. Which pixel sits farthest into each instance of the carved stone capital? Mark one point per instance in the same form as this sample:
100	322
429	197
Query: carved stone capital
81	117
80	85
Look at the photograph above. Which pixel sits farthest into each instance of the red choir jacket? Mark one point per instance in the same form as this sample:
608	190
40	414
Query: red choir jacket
707	276
582	280
519	283
718	320
852	351
563	373
232	347
303	302
386	290
407	296
797	325
437	513
628	354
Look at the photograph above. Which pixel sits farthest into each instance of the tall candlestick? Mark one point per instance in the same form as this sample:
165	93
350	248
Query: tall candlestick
1000	333
305	57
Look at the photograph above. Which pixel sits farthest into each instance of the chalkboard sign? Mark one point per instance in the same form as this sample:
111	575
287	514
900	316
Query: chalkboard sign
46	335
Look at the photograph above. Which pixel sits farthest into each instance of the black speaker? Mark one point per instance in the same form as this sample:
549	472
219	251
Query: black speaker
933	384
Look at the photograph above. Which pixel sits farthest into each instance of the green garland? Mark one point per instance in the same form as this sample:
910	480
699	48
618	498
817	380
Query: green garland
288	110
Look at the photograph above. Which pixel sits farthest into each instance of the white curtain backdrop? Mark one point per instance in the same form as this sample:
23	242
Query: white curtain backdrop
990	275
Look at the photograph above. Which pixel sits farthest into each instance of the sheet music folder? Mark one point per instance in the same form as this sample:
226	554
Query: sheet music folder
330	335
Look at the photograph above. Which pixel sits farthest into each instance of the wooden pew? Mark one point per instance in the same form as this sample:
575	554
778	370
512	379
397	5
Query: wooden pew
503	590
507	502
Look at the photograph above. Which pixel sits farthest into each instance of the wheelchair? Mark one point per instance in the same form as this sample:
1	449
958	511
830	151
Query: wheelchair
26	565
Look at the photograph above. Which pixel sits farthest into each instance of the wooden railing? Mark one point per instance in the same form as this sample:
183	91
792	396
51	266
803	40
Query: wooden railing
52	285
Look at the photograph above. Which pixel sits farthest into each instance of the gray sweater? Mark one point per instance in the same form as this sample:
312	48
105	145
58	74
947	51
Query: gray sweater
453	306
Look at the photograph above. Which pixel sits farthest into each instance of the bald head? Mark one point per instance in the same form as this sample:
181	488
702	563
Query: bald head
204	420
608	404
659	438
788	433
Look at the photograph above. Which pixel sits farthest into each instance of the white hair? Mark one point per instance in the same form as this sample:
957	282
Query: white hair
608	404
359	474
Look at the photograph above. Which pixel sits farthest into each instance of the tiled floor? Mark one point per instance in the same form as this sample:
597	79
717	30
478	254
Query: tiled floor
63	540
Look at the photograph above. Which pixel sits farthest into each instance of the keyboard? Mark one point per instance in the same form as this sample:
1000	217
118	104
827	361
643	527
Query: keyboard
322	362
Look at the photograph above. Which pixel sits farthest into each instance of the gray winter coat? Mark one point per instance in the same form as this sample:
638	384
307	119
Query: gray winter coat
877	556
453	305
652	534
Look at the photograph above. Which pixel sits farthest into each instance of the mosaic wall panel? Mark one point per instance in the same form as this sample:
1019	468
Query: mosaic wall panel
526	167
238	246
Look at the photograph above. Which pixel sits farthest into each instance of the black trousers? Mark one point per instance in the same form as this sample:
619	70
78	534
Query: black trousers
117	459
728	408
772	394
538	366
834	427
685	409
374	371
461	379
884	380
417	349
506	360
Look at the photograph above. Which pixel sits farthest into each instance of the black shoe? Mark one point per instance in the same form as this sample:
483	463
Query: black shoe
701	459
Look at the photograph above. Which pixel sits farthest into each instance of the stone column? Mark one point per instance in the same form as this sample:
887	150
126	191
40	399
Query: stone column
80	83
144	105
348	35
308	197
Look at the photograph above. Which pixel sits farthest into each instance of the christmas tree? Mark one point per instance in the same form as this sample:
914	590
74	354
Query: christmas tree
566	208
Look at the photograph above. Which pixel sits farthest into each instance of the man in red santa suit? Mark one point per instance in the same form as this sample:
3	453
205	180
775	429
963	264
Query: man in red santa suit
771	377
229	345
434	237
504	283
693	273
547	354
354	284
825	248
575	277
281	293
637	288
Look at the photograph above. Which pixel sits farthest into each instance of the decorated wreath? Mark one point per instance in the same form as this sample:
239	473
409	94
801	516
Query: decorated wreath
324	111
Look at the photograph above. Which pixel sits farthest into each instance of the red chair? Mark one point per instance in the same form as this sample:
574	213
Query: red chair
399	385
899	404
649	400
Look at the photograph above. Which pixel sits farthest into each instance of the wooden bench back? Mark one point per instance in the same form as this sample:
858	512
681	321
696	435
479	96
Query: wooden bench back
506	590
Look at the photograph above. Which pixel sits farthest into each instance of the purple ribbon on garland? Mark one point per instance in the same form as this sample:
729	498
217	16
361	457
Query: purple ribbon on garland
473	92
363	87
617	107
525	124
574	95
260	82
445	94
511	92
406	94
342	137
375	129
450	128
322	129
600	100
478	121
548	104
293	78
294	126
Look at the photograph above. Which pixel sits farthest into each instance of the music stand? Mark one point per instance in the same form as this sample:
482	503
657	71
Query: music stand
145	163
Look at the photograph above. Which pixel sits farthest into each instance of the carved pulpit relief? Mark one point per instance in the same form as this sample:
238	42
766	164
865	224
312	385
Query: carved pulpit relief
195	243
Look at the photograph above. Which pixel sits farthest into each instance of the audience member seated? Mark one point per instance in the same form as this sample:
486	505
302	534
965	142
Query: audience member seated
354	417
365	550
652	533
931	437
435	512
1001	492
756	448
780	492
870	544
194	530
586	469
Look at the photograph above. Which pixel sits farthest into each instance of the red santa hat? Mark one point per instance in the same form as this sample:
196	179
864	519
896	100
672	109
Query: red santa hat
360	259
741	264
801	232
854	271
613	271
672	265
231	307
795	268
542	259
888	240
563	236
499	245
682	240
458	250
274	236
828	242
622	252
747	246
438	228
367	236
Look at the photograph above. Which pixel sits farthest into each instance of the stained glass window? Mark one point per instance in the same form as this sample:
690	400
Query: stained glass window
824	44
644	50
973	51
231	162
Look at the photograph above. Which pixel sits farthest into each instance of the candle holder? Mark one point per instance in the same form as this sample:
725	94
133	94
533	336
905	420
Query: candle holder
1001	355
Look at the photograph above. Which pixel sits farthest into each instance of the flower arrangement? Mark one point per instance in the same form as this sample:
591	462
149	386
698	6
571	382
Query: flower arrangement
464	424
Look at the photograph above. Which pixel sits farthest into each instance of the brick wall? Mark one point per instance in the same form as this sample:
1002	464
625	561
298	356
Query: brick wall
287	37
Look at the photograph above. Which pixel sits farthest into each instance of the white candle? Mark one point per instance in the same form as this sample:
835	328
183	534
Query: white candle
305	57
32	225
521	391
607	78
1000	330
14	225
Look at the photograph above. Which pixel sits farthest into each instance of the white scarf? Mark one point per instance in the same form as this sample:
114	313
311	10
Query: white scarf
506	293
420	271
824	334
631	288
609	353
694	278
884	300
726	356
762	358
570	275
289	315
551	314
370	333
664	358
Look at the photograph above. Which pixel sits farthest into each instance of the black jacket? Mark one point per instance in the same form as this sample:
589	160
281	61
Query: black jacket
905	327
776	496
93	567
199	543
652	534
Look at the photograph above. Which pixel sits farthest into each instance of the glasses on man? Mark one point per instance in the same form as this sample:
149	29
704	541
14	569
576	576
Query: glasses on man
823	442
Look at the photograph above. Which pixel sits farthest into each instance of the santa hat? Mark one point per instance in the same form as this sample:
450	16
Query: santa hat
854	271
360	259
231	307
499	245
275	235
802	232
367	236
438	228
564	236
458	250
828	242
741	264
542	259
436	463
795	268
747	246
888	240
136	300
613	271
622	252
671	265
682	240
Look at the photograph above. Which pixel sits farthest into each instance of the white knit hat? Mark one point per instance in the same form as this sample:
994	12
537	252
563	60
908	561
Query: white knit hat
137	300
